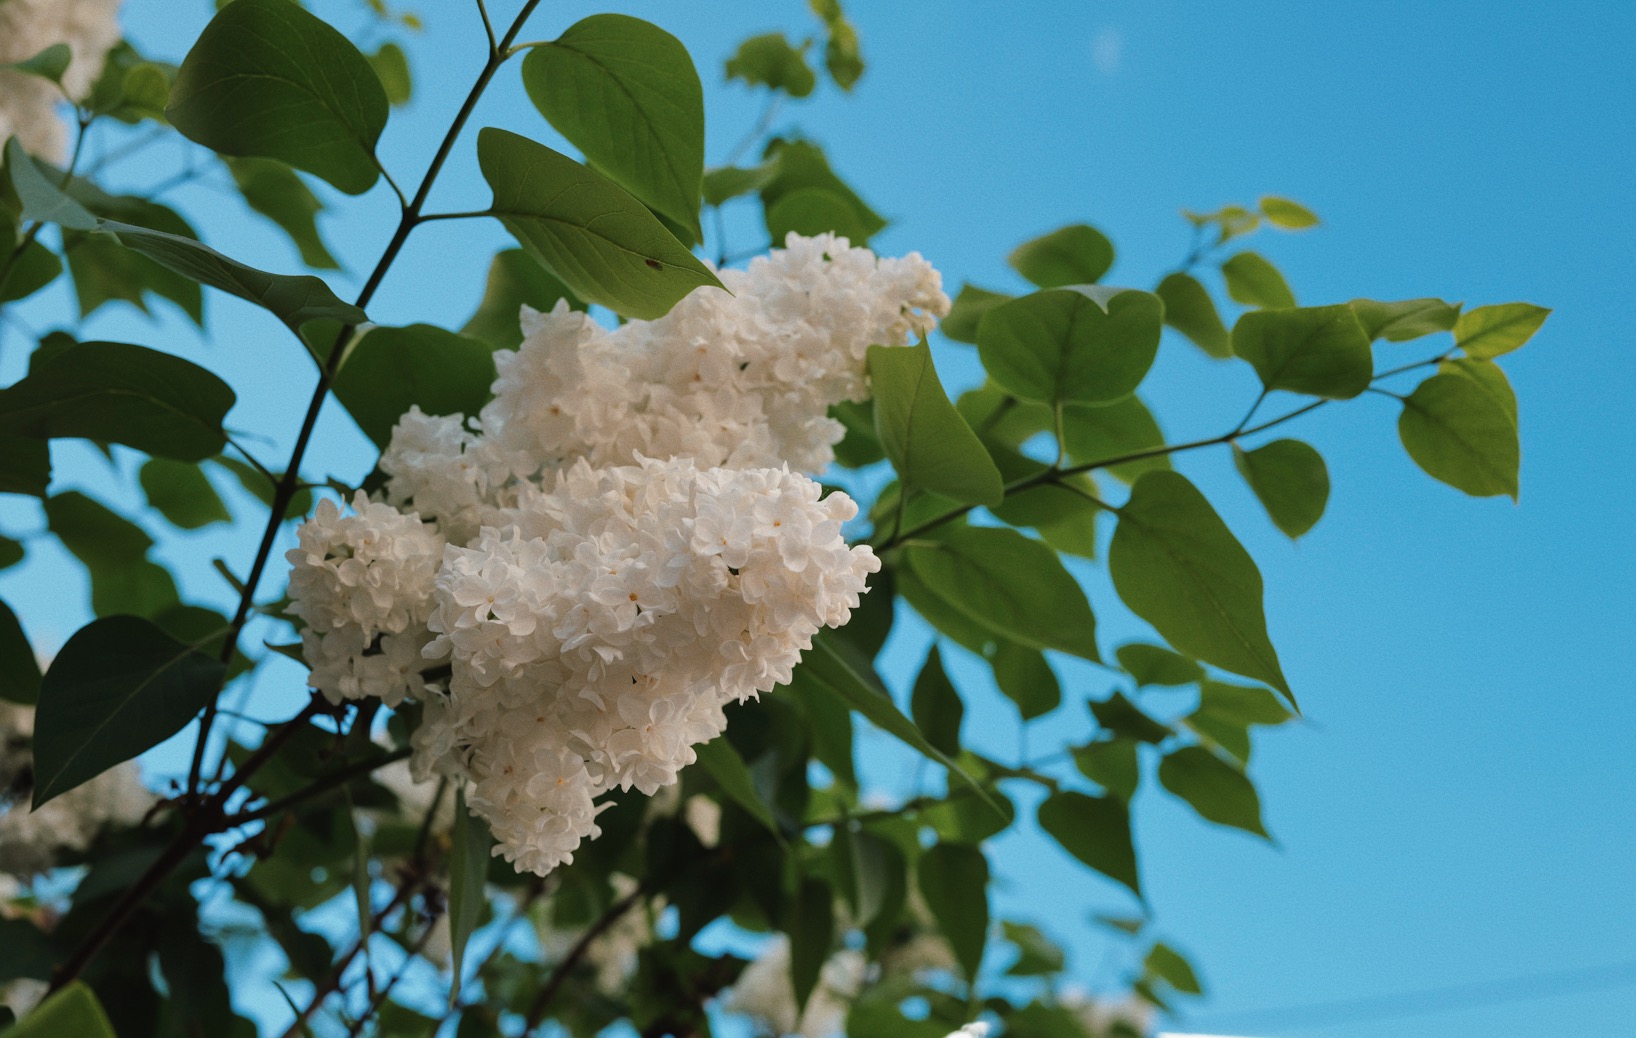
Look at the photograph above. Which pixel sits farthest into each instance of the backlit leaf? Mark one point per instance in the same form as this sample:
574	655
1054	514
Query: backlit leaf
1320	350
1074	255
1253	281
1405	319
1190	310
930	445
1291	480
1489	331
1459	432
1086	345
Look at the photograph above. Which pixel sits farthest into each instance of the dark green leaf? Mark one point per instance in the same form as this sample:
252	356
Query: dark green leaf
842	58
105	271
1167	964
114	551
266	78
392	69
1291	480
1064	511
1290	215
1406	319
1214	788
1460	432
947	619
389	370
1096	830
11	552
1190	310
182	494
468	865
936	706
1011	585
603	243
25	951
768	60
624	92
965	818
1125	719
515	280
811	211
1156	665
40	198
119	687
73	1011
1038	955
1111	764
968	310
954	881
930	445
1177	566
49	64
25	465
1489	331
803	165
1072	255
998	417
723	763
811	928
35	267
1102	433
1253	281
879	869
1226	713
1320	350
728	182
1086	346
275	191
1026	679
113	392
19	670
860	446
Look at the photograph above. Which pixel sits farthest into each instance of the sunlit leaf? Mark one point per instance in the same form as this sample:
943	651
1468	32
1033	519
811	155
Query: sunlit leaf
1459	432
1190	310
1489	331
1319	350
1291	480
930	445
1253	281
1086	345
1074	255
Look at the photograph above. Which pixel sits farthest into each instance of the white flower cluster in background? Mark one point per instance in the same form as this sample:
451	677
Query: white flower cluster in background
28	104
31	841
623	542
765	993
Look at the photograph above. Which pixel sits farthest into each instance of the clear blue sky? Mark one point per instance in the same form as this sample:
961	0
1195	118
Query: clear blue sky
1461	808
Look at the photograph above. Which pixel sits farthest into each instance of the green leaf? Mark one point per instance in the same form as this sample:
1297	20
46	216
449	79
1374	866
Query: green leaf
802	164
1008	584
811	211
11	552
944	617
768	60
1487	374
842	58
603	243
1157	665
1459	432
1074	255
964	818
1167	964
19	669
468	866
392	69
25	465
35	267
118	688
1291	480
936	706
276	191
860	446
49	64
999	417
968	310
1190	310
1102	433
953	879
1177	566
181	493
1320	350
40	198
811	928
266	78
106	271
73	1011
1489	331
1096	830
1212	787
114	552
515	280
1038	955
930	445
113	392
722	762
1111	764
1287	214
1406	319
725	183
1253	281
1026	679
389	370
1126	720
1226	713
1082	346
624	92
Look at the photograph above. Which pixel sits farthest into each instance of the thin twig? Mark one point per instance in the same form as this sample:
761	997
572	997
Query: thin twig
553	983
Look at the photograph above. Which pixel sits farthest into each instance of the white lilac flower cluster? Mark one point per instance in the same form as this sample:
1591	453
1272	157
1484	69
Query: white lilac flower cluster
623	542
31	841
28	104
765	993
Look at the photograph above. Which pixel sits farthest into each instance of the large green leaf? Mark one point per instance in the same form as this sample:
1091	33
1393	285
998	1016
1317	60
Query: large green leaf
1190	310
723	763
802	164
468	867
1320	350
625	93
1008	584
114	552
1253	281
953	879
389	370
1291	480
603	243
106	271
967	312
1488	375
1405	319
1157	665
73	1012
182	493
1218	791
19	670
267	78
1096	830
936	706
1026	678
1073	255
1102	433
810	924
119	687
25	465
1090	345
1489	331
1177	566
275	191
811	211
930	445
113	392
1460	432
514	280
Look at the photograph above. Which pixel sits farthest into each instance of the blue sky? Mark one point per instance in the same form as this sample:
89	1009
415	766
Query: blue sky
1460	807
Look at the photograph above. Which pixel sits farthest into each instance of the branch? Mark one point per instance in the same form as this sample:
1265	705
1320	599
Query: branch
317	788
332	982
553	983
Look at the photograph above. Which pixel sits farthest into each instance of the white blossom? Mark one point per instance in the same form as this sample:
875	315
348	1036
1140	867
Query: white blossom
765	994
28	104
